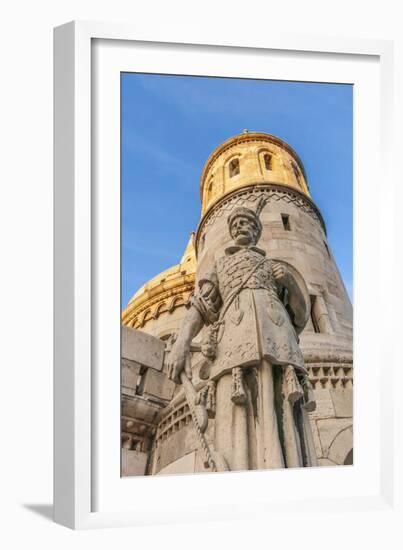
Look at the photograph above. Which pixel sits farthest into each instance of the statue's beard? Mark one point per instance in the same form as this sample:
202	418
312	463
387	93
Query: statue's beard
243	239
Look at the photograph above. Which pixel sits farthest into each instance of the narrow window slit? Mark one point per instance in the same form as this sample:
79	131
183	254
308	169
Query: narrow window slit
233	168
313	316
285	218
267	161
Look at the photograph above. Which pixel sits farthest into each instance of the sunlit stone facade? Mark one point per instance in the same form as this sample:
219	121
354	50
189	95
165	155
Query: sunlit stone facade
157	431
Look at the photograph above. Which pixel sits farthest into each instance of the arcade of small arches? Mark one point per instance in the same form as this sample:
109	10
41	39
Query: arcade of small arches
164	304
267	162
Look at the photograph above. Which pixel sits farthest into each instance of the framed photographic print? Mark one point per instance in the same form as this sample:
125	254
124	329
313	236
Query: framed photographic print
205	200
306	344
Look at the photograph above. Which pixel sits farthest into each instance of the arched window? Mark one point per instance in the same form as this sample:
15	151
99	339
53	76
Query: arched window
233	168
267	158
210	189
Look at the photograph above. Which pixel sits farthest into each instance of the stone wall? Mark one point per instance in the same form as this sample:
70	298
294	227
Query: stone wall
146	390
303	244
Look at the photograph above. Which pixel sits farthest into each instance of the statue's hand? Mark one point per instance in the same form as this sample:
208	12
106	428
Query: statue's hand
279	271
178	361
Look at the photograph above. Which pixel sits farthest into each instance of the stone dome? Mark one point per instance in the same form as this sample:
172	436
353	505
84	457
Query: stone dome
164	293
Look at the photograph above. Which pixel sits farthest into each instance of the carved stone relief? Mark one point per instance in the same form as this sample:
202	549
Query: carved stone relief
249	197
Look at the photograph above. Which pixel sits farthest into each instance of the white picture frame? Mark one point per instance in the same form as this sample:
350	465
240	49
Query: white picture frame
88	490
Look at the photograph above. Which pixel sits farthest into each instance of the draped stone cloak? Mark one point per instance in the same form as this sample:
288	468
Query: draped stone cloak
256	319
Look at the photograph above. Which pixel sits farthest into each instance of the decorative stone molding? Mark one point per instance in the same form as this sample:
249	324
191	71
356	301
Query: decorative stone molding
247	137
173	422
341	446
327	376
322	355
137	315
248	196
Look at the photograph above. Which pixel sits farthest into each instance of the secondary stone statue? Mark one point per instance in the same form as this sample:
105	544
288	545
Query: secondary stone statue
254	308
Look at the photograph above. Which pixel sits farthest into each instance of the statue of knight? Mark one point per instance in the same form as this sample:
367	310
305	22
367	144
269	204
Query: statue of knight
254	309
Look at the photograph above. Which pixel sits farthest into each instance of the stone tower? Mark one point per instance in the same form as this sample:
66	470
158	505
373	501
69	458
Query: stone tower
157	431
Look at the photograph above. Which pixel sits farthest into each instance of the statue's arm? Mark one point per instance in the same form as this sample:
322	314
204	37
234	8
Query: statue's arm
204	310
191	326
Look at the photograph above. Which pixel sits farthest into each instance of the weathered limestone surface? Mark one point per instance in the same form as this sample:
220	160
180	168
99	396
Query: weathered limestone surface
133	463
161	300
140	347
140	408
324	405
184	465
316	438
130	376
342	402
156	384
330	430
145	391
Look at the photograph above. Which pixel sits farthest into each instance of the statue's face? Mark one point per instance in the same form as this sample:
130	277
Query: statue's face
243	231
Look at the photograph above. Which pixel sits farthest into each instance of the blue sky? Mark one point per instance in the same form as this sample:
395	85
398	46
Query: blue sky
171	124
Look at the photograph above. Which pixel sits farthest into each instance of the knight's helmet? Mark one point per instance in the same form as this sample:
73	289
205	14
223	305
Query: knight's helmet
260	174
